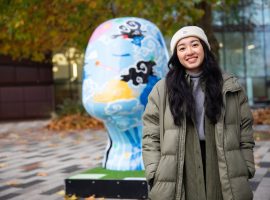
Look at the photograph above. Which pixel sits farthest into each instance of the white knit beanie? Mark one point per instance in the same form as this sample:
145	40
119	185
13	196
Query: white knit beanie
188	31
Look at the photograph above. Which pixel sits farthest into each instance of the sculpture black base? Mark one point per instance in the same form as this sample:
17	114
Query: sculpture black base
105	183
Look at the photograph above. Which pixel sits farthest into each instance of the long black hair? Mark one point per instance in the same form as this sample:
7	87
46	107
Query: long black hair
181	100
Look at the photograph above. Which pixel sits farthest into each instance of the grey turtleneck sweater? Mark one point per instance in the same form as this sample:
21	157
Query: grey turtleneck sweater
199	96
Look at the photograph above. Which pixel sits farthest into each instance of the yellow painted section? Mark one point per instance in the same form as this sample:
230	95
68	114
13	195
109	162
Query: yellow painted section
114	90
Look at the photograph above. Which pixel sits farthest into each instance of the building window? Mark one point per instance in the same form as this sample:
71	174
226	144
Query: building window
244	46
67	72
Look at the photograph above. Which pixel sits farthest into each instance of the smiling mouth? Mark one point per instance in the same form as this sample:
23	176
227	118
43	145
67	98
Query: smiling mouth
193	59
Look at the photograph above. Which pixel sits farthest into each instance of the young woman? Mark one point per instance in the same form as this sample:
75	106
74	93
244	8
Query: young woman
198	138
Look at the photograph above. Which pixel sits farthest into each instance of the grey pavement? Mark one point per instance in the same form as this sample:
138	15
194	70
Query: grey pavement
34	161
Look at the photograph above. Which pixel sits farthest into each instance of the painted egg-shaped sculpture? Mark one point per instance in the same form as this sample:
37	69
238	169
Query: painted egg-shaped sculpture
124	59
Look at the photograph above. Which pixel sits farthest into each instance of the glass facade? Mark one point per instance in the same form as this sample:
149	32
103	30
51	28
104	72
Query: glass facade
67	73
244	40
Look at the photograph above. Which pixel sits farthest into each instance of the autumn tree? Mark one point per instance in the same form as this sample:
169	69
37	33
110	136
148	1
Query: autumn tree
33	28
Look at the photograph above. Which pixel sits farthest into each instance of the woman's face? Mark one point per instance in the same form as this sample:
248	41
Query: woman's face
190	53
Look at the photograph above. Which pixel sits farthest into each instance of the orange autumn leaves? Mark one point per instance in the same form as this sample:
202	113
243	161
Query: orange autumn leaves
74	197
261	116
74	122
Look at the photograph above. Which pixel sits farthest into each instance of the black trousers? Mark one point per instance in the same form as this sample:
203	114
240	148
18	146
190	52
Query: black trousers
203	152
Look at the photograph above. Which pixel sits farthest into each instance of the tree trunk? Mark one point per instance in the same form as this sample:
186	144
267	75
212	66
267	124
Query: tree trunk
206	23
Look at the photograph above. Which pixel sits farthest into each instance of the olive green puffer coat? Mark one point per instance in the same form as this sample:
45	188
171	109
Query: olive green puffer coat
164	145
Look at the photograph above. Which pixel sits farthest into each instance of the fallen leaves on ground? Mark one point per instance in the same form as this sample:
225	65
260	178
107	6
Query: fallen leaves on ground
261	116
98	157
31	166
82	157
261	135
93	198
73	197
90	198
61	192
14	136
3	165
42	174
53	145
74	122
12	183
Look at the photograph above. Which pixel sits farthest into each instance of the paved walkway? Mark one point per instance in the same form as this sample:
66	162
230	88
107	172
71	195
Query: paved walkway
34	162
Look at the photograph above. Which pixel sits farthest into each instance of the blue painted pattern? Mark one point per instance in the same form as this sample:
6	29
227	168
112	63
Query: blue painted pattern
124	59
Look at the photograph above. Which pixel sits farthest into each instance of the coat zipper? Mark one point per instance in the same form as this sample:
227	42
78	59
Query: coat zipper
181	141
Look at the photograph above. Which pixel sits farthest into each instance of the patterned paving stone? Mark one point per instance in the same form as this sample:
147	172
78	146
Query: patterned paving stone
267	174
9	196
262	191
254	185
10	190
29	184
54	190
29	176
31	166
266	157
5	187
48	151
66	159
34	165
70	169
264	164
